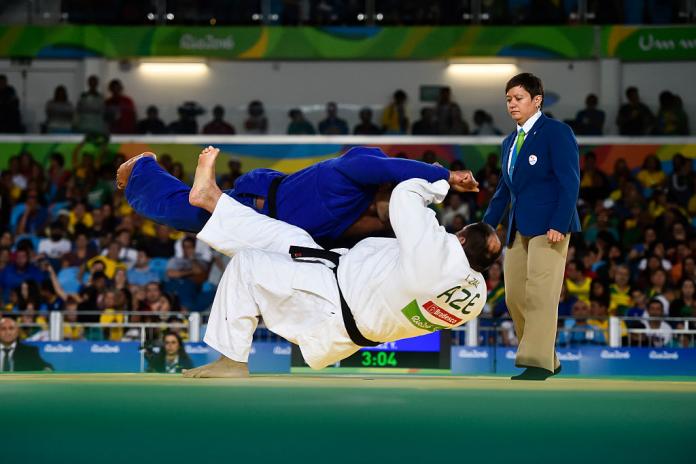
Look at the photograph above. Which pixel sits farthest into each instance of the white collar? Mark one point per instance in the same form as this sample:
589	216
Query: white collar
11	347
530	123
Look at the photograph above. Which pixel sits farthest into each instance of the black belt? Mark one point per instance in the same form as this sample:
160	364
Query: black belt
271	198
297	252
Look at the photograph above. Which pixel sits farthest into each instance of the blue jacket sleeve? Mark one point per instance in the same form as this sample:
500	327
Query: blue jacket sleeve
498	204
565	161
373	167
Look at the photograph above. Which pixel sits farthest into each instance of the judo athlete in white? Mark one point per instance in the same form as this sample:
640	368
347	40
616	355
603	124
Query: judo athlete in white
422	281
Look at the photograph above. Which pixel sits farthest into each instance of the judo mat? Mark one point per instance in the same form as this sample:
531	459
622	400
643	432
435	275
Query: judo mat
128	418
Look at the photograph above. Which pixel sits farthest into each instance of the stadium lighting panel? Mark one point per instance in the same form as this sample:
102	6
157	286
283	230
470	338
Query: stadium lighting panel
173	69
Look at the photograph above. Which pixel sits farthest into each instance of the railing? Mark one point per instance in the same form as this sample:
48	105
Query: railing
614	332
618	332
56	323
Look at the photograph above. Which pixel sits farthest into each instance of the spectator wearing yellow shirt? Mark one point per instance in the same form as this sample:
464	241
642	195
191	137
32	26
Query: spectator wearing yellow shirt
620	291
395	116
577	282
79	215
599	322
110	315
110	259
651	175
72	330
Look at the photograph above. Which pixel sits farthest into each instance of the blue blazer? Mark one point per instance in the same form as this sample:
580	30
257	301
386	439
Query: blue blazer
543	192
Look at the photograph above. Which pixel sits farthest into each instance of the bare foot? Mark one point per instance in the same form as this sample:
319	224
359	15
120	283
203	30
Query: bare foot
205	192
124	170
222	368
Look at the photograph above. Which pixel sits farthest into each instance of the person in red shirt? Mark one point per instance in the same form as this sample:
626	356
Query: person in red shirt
120	110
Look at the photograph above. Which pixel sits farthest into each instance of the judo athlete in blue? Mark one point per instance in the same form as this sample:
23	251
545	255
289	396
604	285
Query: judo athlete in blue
328	199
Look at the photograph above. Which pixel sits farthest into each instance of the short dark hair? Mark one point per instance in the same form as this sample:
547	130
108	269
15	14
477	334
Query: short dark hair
528	82
658	301
476	246
604	300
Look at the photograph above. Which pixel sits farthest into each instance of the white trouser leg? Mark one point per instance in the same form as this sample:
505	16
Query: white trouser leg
234	314
234	226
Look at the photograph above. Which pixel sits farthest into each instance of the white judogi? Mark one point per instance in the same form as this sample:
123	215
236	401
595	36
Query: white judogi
418	283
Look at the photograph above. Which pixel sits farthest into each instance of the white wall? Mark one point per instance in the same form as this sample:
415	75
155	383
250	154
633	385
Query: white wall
283	85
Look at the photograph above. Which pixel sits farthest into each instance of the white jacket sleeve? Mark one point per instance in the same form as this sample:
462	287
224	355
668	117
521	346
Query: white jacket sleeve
234	226
424	245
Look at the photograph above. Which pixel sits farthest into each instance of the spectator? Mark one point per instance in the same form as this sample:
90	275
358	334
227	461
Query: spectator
58	176
395	117
620	291
658	333
79	216
172	357
10	119
161	245
576	281
127	255
90	109
72	329
228	179
426	124
443	111
298	124
186	274
34	214
186	124
634	117
589	121
60	113
19	271
366	126
152	124
671	118
483	123
455	206
599	323
594	184
142	274
16	356
111	260
685	305
651	175
55	245
120	110
332	124
218	125
680	181
565	304
576	330
455	124
256	121
110	314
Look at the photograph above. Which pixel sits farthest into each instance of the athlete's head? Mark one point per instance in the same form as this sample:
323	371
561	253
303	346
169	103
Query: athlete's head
481	245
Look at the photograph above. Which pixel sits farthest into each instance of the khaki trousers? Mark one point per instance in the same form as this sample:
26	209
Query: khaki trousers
534	270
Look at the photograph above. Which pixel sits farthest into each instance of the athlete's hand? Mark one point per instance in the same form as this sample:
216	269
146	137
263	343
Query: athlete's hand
554	236
463	181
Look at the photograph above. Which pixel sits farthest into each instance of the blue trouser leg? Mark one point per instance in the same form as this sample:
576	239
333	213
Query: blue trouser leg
154	193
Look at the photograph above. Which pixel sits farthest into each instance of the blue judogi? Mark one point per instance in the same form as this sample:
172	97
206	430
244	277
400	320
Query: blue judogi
324	199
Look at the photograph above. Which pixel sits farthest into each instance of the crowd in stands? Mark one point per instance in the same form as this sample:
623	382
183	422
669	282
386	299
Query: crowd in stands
635	257
70	242
94	113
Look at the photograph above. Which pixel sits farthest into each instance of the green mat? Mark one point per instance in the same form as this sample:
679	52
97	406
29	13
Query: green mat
128	418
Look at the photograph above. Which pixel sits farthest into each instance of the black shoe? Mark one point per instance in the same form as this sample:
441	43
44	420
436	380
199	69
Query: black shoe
557	370
534	373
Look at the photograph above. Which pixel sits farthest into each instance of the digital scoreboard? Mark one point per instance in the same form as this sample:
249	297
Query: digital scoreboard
431	351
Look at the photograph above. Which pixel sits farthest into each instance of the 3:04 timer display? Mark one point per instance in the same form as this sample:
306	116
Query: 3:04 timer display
378	359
